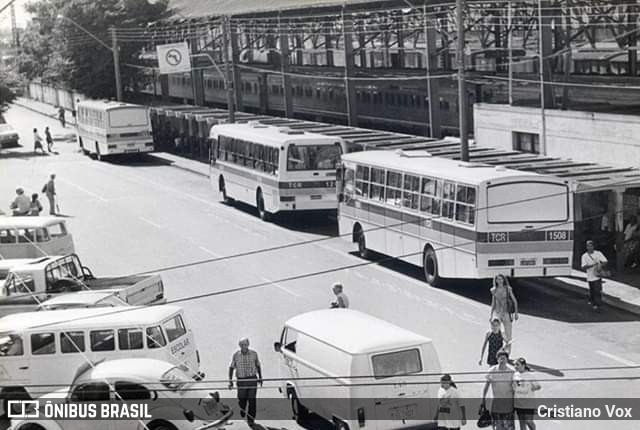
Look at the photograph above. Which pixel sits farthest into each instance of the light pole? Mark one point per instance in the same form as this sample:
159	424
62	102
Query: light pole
114	49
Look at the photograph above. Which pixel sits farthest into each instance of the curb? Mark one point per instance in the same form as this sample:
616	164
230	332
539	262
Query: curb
607	299
175	164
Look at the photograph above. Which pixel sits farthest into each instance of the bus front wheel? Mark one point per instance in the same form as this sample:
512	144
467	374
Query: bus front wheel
262	212
430	266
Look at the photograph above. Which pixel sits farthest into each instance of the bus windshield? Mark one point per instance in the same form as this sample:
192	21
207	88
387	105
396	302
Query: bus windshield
527	202
313	157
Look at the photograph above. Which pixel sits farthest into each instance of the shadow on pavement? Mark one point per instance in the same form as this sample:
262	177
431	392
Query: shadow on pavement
534	298
135	160
21	154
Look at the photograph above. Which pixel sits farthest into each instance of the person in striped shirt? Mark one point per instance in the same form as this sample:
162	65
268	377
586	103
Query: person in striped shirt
246	364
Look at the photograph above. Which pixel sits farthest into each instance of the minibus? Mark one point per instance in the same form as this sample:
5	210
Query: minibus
33	237
41	351
358	371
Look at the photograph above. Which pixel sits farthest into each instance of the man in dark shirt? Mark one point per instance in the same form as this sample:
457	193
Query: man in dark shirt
246	364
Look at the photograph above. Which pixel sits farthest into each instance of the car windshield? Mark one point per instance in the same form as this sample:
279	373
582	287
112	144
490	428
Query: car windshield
175	379
313	157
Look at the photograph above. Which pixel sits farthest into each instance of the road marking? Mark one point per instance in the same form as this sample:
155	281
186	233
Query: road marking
618	359
84	190
210	252
150	222
285	289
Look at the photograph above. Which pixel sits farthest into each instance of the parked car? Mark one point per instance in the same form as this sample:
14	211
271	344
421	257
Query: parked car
8	136
165	388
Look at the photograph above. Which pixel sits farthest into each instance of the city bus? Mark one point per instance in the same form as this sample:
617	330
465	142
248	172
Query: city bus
274	169
456	219
107	128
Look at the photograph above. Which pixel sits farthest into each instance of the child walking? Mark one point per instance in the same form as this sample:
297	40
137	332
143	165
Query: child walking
495	340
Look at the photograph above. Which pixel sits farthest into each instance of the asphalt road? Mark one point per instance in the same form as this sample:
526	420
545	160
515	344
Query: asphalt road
140	215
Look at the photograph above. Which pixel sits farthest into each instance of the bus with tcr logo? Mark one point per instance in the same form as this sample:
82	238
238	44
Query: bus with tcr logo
274	169
456	219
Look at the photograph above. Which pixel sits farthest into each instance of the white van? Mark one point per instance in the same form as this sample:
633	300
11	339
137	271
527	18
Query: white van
33	237
358	371
39	351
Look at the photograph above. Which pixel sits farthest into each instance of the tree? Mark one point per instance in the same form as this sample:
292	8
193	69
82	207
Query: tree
10	84
59	51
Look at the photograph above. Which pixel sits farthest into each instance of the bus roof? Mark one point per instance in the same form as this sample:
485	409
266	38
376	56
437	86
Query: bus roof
87	318
354	332
271	135
107	105
422	163
28	221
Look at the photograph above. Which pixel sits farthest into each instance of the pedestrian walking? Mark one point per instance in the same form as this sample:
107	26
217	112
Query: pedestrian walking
594	262
48	138
524	394
49	190
342	301
61	114
37	141
495	340
451	414
21	203
504	306
248	371
35	207
500	379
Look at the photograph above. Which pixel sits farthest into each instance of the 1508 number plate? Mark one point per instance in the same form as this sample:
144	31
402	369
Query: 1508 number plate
558	235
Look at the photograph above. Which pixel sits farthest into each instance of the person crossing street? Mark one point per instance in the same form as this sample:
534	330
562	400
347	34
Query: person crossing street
246	364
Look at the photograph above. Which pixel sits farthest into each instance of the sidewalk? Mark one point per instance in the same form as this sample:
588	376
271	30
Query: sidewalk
42	108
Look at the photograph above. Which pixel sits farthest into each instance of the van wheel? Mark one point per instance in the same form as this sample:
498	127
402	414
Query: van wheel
300	413
430	267
340	425
161	425
362	243
262	213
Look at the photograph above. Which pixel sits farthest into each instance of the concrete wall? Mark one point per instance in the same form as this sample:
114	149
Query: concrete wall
583	136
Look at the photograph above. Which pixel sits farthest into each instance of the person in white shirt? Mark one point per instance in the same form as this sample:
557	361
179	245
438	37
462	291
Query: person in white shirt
451	414
524	394
593	262
21	203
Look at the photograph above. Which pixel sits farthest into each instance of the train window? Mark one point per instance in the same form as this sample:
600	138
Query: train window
255	88
308	92
330	94
274	89
317	93
367	97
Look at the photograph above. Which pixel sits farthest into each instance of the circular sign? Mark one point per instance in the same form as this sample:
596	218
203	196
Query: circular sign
173	57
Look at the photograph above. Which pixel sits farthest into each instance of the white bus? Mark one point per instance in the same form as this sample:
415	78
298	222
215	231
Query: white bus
109	128
275	169
456	219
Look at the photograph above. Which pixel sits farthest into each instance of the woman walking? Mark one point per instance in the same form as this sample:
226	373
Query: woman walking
495	340
524	388
504	307
451	415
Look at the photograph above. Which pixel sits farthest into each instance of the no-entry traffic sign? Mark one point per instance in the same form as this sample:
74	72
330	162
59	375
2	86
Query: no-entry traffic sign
174	58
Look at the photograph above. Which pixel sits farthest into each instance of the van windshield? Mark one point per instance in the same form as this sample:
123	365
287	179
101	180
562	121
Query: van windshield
396	363
10	345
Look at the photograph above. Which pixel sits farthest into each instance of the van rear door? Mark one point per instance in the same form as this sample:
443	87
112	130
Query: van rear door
397	399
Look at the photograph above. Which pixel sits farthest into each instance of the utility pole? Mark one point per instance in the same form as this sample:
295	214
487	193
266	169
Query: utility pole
116	63
226	29
462	87
14	27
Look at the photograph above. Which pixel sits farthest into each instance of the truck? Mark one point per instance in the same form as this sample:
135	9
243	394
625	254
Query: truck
29	283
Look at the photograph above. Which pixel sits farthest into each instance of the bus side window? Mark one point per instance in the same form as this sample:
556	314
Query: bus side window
130	338
362	181
175	328
71	341
43	344
7	236
155	338
102	340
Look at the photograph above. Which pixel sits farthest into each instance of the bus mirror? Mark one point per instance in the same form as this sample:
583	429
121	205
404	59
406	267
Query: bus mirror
277	346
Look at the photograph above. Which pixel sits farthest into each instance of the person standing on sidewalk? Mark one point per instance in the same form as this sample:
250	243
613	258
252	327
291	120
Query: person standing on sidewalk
593	262
48	138
246	364
50	191
61	114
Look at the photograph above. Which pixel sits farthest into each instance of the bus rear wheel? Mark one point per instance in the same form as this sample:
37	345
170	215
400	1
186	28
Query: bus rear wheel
430	267
262	212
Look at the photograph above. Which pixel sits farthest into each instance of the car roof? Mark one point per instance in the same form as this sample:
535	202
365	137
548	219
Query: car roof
271	135
141	369
28	221
422	163
354	332
117	316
